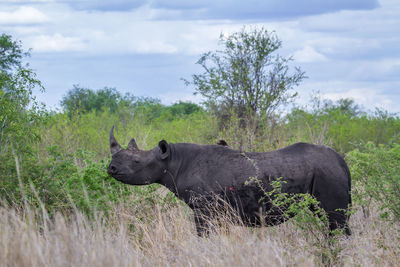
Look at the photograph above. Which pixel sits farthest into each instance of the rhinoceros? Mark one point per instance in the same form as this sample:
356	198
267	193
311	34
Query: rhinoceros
195	173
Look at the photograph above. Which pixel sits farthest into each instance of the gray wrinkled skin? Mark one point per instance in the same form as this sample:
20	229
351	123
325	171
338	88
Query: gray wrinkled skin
198	173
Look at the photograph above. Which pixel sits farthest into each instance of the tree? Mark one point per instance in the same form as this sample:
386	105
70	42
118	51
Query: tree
77	100
183	108
19	111
83	100
20	117
247	77
11	53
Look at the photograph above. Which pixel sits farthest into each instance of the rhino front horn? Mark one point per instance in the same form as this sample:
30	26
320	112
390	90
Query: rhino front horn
114	146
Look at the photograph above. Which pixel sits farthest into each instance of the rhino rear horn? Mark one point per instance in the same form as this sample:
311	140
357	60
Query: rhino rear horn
114	146
132	145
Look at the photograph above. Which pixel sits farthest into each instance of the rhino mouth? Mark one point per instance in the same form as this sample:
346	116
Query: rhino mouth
117	176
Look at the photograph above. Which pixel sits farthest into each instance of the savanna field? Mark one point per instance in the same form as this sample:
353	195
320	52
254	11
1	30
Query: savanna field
59	207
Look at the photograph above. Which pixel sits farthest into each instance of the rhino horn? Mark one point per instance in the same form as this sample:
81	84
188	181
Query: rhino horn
132	145
114	146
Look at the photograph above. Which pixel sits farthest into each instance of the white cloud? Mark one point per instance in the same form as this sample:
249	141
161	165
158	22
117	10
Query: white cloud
364	96
147	47
21	30
56	43
344	46
382	94
375	70
308	54
132	32
22	15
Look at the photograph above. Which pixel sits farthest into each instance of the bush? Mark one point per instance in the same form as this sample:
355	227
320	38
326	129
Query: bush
339	126
376	171
64	182
305	213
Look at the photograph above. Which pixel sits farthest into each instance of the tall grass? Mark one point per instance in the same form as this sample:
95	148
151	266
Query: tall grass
167	237
149	230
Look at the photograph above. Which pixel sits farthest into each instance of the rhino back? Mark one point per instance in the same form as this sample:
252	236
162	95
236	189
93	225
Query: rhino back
212	168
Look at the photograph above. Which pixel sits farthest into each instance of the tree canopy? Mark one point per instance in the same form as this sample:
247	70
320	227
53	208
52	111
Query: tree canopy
82	100
11	53
19	110
247	76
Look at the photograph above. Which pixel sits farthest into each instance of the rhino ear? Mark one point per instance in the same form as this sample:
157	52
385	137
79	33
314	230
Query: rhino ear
114	146
132	145
222	143
164	149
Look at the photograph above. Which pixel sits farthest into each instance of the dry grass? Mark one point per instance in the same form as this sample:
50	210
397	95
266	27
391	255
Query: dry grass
168	238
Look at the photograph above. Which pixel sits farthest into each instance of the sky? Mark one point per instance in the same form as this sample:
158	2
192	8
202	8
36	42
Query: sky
348	48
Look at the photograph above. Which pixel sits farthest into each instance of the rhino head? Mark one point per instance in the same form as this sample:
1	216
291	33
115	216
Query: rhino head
137	167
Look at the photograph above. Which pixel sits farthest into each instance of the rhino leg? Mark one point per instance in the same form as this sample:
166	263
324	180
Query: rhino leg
338	219
333	192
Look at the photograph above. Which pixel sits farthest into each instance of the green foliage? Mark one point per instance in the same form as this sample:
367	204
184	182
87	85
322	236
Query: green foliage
179	110
11	53
307	215
376	171
20	114
20	118
304	209
151	109
245	82
340	125
90	130
184	108
248	76
74	181
82	100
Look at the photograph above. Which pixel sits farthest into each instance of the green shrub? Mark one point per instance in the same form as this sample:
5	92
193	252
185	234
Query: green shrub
304	211
339	127
63	182
376	172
